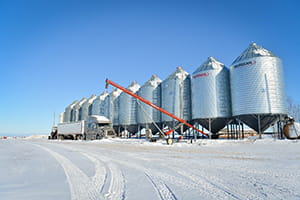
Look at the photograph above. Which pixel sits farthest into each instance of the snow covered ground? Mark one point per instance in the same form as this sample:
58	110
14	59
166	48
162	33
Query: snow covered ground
36	168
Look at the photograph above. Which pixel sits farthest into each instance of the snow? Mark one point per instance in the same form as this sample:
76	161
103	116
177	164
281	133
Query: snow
36	137
37	168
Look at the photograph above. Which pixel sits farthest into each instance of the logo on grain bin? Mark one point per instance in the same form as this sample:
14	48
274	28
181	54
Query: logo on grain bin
249	63
201	75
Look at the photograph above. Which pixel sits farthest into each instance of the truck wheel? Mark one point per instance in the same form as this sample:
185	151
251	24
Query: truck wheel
98	137
79	137
169	141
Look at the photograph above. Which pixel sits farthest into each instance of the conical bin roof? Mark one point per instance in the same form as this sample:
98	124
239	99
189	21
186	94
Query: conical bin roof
133	87
103	95
253	51
153	81
178	73
210	64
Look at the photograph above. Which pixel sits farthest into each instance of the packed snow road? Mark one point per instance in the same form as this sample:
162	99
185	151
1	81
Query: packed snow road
136	169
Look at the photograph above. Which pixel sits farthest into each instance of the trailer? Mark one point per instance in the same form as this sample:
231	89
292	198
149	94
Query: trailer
71	130
95	127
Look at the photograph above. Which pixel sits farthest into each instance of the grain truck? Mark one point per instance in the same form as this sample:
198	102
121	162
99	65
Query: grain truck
95	127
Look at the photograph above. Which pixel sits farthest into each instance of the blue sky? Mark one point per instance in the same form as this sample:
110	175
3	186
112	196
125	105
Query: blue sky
53	52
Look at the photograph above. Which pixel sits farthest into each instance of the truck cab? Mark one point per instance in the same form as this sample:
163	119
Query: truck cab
53	134
98	127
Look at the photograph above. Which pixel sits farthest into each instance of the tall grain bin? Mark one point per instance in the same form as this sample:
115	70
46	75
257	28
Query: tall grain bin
112	108
77	111
211	102
146	115
128	109
176	96
68	112
86	108
257	88
98	105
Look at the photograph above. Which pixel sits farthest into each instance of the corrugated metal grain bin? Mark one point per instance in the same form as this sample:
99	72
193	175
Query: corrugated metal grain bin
111	111
146	115
86	108
176	96
128	109
77	111
67	114
211	102
257	87
98	106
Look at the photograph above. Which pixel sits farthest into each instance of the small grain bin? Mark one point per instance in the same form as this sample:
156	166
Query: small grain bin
111	108
86	108
98	106
128	109
77	111
146	115
176	96
68	112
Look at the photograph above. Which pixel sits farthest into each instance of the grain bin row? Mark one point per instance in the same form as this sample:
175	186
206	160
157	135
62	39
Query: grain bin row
251	90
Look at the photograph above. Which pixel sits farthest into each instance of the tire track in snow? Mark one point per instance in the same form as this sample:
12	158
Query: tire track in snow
206	187
159	179
81	186
185	183
211	185
267	189
254	180
164	191
156	179
215	184
100	172
162	177
263	190
116	188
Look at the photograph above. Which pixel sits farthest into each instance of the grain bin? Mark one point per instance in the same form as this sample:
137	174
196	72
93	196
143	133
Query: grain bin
77	111
257	88
111	103
68	112
98	106
210	92
86	108
146	115
176	96
128	109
